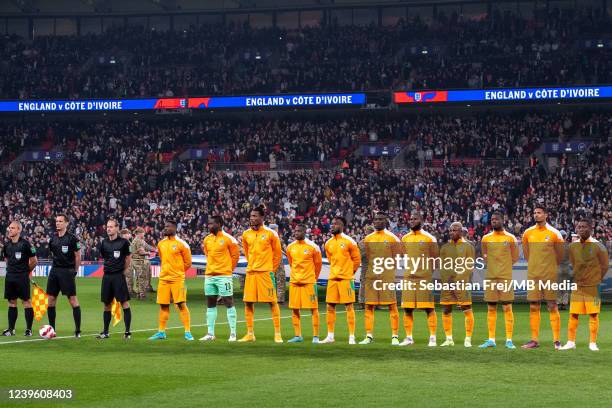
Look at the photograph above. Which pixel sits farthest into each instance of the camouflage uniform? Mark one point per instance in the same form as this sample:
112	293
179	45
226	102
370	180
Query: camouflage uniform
129	275
281	278
142	266
362	274
564	274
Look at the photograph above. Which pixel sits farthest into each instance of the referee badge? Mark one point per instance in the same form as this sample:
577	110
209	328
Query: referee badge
116	254
65	249
18	255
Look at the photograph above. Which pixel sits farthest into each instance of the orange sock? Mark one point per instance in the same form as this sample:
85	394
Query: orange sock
249	312
408	323
295	319
469	322
185	317
534	323
593	327
164	315
368	319
509	319
447	323
432	322
275	317
394	318
331	318
492	321
555	324
350	319
315	322
572	327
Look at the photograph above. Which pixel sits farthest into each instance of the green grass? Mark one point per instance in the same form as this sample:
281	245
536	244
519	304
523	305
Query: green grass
145	374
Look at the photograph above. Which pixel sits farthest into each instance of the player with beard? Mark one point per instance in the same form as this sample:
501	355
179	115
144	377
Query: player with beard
500	251
344	260
382	243
419	245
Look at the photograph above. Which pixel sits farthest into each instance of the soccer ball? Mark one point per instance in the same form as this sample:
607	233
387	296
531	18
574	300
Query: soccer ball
47	332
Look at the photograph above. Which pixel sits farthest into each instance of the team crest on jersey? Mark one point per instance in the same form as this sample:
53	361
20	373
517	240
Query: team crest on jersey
547	238
174	247
65	249
263	237
18	255
342	245
506	243
116	254
305	252
221	242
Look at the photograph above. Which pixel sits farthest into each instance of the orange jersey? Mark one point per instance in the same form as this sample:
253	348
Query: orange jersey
262	249
540	245
420	244
175	258
305	260
384	236
222	253
459	252
500	249
343	255
588	258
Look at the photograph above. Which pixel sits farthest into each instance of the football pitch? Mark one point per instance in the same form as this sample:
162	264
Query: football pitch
177	373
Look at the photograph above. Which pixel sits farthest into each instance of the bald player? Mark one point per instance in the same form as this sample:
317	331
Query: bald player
20	258
463	254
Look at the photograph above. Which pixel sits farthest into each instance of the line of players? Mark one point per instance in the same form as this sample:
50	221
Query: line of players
543	248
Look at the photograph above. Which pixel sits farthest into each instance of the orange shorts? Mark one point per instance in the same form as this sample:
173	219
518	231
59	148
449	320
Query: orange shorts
340	291
539	293
585	301
417	297
260	287
455	297
303	296
171	292
495	294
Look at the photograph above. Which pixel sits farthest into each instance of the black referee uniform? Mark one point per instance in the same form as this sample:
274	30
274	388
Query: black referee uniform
63	274
17	282
114	284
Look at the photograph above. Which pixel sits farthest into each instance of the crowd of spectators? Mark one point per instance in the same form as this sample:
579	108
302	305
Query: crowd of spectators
307	139
448	51
108	172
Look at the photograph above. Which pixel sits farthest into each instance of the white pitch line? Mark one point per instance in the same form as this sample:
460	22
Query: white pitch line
146	330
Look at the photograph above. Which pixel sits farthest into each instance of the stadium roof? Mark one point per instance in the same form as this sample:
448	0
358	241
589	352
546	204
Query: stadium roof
89	7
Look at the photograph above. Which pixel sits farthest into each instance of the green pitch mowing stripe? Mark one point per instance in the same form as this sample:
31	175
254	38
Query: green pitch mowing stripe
177	373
